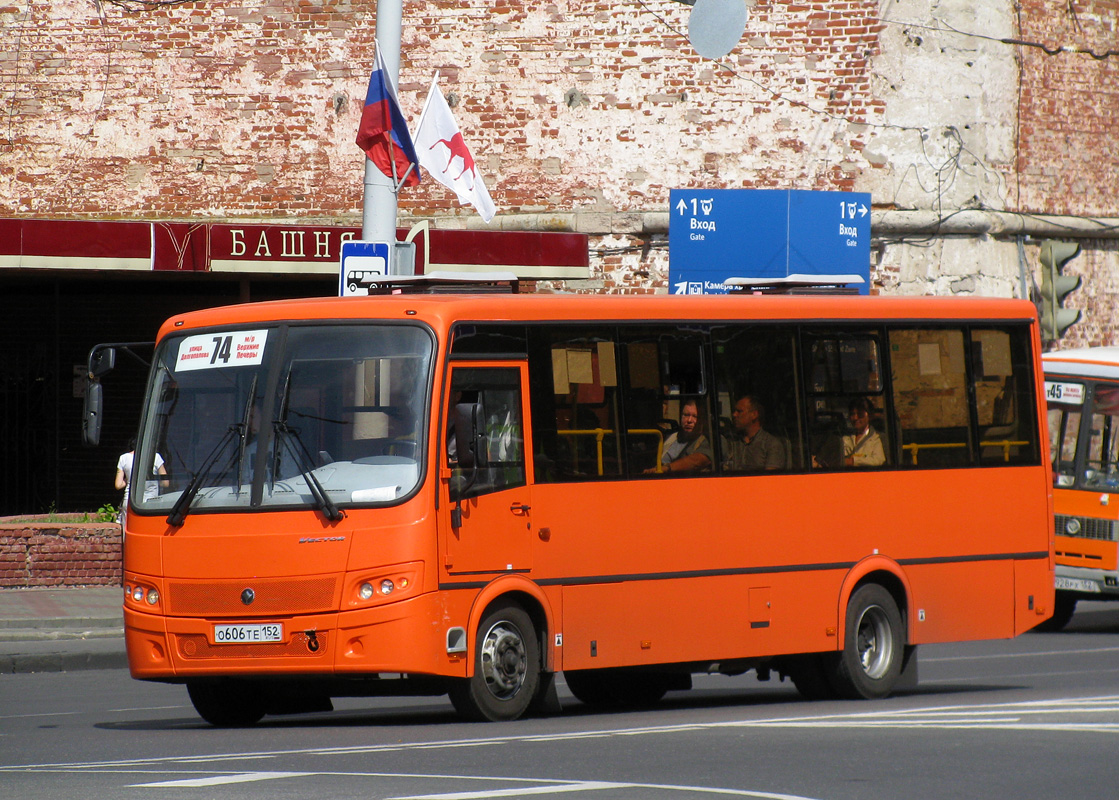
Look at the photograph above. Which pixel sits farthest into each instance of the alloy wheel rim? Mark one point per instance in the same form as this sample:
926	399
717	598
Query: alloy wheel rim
874	642
504	660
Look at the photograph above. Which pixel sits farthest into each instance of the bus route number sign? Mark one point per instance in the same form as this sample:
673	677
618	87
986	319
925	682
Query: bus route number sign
1068	393
217	350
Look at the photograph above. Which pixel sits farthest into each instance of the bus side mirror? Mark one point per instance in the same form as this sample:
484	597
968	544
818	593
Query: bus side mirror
102	360
469	435
91	413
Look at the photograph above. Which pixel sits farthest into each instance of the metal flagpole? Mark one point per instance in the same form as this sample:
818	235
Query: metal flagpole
379	204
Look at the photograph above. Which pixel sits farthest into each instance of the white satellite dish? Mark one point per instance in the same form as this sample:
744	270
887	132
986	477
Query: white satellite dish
716	26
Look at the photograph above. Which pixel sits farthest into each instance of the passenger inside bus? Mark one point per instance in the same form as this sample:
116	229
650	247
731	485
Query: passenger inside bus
863	448
687	450
751	448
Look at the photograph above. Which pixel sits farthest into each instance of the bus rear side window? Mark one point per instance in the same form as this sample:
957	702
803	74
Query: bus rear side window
1004	383
929	378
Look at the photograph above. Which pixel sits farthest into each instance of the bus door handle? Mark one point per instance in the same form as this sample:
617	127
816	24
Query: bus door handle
519	509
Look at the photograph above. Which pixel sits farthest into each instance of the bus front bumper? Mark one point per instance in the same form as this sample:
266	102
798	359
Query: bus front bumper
406	637
1088	584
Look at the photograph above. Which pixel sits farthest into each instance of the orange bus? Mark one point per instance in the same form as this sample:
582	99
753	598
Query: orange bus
470	494
1082	390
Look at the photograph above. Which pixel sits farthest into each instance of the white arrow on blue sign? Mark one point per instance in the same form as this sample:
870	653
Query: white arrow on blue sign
717	234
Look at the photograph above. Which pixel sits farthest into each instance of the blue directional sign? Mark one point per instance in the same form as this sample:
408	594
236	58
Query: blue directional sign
362	262
718	234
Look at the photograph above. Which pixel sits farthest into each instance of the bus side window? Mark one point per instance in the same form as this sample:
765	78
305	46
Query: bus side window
843	374
666	373
755	370
574	402
498	392
930	386
1004	401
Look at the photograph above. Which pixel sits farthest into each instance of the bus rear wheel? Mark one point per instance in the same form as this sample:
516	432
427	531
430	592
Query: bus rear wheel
506	668
812	674
617	688
228	703
870	663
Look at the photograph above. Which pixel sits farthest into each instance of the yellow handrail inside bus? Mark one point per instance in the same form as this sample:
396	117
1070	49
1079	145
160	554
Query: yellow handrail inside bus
601	433
1005	444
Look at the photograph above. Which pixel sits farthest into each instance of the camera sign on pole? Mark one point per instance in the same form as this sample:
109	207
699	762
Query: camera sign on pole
362	264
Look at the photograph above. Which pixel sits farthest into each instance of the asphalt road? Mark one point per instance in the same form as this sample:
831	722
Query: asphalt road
1035	717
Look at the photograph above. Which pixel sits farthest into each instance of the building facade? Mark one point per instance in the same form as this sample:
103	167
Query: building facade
979	129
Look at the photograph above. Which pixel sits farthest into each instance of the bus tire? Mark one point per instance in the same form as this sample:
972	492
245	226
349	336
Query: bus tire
227	703
506	668
811	674
1064	606
874	645
619	688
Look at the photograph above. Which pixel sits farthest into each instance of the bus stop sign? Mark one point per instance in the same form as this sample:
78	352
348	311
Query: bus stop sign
717	234
361	261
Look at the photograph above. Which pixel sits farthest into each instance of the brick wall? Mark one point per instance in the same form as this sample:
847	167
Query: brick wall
1069	104
199	110
206	109
47	554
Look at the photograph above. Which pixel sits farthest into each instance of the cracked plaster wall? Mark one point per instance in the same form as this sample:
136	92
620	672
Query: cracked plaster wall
209	111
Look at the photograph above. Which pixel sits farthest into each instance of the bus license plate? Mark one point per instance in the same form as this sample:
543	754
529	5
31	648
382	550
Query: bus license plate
1077	585
248	634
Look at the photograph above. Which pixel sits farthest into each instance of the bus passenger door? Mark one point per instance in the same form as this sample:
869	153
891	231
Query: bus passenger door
486	508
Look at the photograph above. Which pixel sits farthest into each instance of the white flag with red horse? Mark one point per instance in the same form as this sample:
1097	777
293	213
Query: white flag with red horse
444	155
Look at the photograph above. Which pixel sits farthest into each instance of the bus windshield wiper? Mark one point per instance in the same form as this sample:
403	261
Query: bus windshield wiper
246	422
182	505
290	438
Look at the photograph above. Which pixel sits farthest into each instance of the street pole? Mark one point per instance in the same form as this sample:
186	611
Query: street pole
378	213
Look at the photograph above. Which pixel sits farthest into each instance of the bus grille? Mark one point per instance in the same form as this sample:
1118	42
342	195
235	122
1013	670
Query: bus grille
1089	528
272	596
194	646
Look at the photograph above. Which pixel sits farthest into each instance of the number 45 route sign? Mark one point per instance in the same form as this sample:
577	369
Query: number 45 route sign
718	234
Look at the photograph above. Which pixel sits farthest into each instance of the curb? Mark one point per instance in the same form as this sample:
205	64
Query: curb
81	630
105	653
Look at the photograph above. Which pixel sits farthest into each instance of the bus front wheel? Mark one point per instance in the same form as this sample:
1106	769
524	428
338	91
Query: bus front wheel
228	704
506	668
870	663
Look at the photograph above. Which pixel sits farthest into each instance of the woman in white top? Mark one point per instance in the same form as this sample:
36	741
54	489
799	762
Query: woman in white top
123	477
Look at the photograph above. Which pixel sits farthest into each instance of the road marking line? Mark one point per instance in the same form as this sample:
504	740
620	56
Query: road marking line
1060	704
43	714
562	788
220	780
1086	651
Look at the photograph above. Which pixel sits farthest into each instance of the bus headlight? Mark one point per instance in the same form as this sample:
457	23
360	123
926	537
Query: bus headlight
365	591
387	586
138	594
153	597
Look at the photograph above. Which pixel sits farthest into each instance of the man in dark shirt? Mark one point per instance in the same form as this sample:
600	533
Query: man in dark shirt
753	448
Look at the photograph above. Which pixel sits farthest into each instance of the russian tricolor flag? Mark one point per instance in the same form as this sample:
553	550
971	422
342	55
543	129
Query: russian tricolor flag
383	133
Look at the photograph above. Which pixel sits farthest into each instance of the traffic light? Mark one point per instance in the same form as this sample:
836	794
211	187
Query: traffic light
1055	319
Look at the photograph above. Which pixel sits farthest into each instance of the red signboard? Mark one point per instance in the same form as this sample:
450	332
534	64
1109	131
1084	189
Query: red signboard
273	249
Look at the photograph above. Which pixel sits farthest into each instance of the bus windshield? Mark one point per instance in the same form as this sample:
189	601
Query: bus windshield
323	416
1071	404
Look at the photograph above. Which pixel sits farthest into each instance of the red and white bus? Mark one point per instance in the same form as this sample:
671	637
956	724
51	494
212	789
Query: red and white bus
472	494
1082	389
